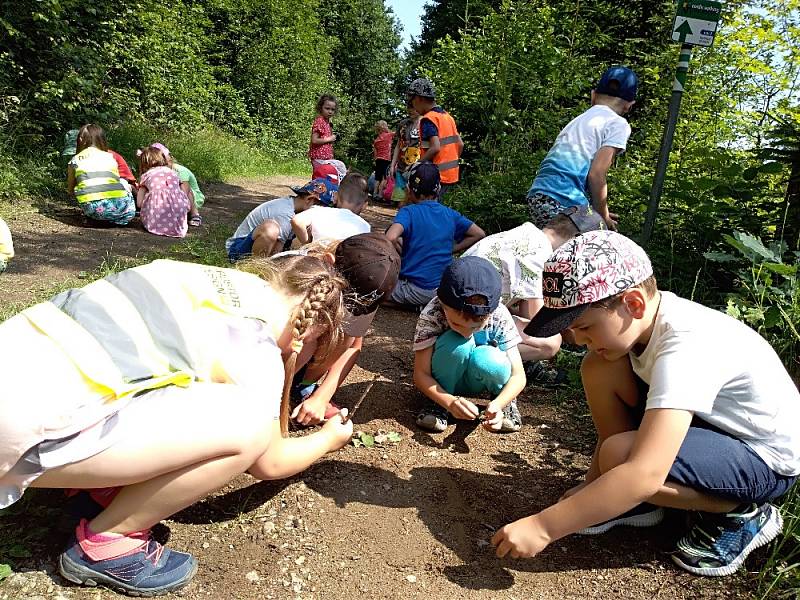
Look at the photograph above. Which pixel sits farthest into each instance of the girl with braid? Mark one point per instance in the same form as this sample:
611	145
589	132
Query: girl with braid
163	382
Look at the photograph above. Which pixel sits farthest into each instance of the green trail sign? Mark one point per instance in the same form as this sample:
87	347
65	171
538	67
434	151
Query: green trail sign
696	22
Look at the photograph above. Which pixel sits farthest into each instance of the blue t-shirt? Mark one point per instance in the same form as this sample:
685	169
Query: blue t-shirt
429	231
562	174
427	128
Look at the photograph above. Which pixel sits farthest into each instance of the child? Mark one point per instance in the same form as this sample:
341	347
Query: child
340	221
320	151
406	151
465	344
429	233
370	265
519	256
164	380
268	228
125	173
189	186
439	138
6	246
574	171
162	203
93	179
693	411
381	154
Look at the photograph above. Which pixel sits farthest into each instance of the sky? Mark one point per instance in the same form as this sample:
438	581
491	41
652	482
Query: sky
409	12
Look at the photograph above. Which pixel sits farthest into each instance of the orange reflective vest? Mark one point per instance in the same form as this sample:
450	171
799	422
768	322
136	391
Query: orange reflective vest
447	157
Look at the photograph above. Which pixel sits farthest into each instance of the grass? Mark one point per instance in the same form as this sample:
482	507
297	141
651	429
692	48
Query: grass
780	576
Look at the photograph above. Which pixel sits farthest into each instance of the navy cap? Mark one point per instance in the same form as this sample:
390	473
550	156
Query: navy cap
470	276
424	179
619	82
324	188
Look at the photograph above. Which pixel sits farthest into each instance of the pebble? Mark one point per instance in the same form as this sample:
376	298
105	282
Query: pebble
411	578
269	527
300	560
215	538
432	453
252	576
206	544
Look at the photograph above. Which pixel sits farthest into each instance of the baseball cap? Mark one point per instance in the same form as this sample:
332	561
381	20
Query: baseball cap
319	186
585	218
421	87
590	267
619	82
470	276
423	179
325	171
70	143
371	265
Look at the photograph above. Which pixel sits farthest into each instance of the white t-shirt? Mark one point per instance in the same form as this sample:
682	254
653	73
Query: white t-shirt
562	174
519	255
701	360
329	223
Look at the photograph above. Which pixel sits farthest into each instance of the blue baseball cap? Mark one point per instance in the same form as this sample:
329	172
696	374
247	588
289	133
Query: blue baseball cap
619	82
322	187
470	276
424	179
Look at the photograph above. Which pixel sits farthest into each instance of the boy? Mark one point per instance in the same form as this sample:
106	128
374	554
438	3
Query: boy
519	255
439	138
326	224
406	152
429	234
268	228
465	344
370	264
693	410
574	171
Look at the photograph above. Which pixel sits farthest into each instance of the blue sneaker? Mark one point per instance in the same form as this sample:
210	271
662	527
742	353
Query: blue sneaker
718	544
643	515
147	570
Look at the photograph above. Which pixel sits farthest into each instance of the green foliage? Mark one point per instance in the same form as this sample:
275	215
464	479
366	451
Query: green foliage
780	577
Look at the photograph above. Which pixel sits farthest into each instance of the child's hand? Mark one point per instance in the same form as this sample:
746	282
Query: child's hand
493	416
339	433
311	411
521	539
463	408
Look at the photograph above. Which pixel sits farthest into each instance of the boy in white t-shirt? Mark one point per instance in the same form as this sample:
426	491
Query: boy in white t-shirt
693	411
328	224
574	171
519	255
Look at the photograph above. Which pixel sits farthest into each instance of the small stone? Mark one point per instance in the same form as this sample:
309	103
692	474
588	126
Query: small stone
411	578
206	544
482	543
300	560
252	577
230	546
268	527
355	557
215	538
384	456
432	453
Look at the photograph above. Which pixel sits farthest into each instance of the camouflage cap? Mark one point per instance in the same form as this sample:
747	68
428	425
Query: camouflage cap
421	87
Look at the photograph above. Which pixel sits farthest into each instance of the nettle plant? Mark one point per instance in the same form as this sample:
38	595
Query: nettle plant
768	296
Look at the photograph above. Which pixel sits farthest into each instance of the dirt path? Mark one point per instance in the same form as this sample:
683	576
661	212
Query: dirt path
407	520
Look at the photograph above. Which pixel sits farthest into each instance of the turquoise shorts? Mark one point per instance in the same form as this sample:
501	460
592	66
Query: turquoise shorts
463	368
119	211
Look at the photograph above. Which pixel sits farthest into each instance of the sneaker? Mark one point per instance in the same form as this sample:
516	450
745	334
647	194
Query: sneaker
718	544
432	417
135	565
512	420
540	373
643	515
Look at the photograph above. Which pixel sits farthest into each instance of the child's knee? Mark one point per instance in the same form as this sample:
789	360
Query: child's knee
489	369
266	231
615	450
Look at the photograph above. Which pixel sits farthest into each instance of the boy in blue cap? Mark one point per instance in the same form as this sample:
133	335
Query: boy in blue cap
465	346
429	234
268	228
574	171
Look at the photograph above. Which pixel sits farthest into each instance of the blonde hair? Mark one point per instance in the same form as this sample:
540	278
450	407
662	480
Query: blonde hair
381	125
321	286
151	157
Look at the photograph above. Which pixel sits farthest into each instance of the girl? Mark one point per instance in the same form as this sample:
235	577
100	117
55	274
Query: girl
406	151
162	202
163	380
189	186
93	179
321	149
381	153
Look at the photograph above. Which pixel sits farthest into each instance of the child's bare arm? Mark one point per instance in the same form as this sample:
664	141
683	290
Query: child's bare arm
598	185
636	480
318	140
473	235
71	180
512	389
394	234
459	407
140	196
433	149
288	456
300	230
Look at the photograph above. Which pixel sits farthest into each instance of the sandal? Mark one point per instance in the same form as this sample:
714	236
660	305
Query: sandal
195	221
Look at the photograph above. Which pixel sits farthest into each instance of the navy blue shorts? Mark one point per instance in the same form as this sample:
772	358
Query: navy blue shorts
241	247
713	461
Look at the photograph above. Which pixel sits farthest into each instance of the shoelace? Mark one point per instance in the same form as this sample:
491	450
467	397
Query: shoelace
152	549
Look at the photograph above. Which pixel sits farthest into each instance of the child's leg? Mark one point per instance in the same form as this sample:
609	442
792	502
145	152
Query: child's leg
183	444
266	240
533	348
450	360
489	371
